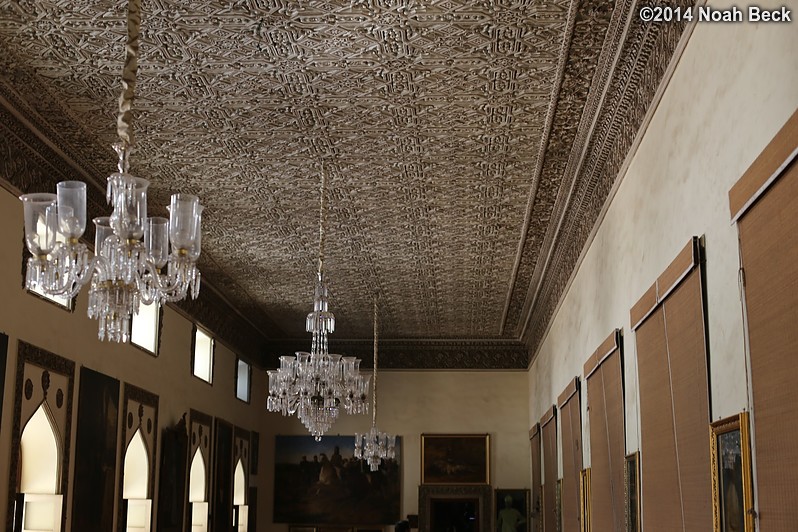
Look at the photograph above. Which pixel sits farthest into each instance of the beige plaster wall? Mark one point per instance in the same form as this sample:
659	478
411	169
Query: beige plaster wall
469	402
410	402
734	87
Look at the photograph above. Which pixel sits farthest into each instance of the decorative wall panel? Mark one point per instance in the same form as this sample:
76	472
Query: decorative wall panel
42	379
95	452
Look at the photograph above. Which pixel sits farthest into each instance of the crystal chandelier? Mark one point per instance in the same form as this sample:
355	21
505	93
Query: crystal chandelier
374	446
125	270
316	385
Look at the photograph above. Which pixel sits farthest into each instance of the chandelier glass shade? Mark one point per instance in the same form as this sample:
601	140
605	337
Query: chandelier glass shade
137	259
316	386
375	446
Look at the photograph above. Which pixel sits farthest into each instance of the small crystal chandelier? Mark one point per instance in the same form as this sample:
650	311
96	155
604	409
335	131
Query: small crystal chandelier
125	270
375	446
316	385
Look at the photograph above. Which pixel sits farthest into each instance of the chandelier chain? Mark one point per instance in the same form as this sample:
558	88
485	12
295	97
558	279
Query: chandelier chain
322	217
124	121
374	369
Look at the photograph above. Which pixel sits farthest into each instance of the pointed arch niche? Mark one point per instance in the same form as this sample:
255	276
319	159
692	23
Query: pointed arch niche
40	439
137	481
241	444
200	442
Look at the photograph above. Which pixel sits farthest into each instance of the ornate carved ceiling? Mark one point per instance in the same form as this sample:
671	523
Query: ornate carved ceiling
470	146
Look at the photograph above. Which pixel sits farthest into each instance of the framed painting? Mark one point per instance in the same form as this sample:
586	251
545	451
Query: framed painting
584	499
511	510
558	503
455	459
631	492
732	495
321	484
461	508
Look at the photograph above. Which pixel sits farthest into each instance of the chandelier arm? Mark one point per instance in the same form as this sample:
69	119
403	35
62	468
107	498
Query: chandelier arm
71	279
124	122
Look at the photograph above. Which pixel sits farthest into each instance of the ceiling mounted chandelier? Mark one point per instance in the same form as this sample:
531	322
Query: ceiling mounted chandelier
125	270
374	446
317	385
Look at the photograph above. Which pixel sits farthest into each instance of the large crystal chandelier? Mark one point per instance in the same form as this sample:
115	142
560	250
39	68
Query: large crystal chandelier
125	270
374	446
316	385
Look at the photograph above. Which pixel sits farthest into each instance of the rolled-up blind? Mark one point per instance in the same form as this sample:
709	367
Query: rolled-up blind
571	428
535	511
548	428
674	399
607	435
765	201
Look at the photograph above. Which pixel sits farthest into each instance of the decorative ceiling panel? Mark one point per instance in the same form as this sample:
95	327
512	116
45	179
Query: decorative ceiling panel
447	129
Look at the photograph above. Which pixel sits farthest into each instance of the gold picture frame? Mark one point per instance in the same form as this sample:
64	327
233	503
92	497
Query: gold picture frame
732	486
455	459
631	491
558	504
584	500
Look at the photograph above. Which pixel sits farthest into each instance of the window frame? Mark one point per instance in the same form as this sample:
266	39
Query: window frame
239	359
205	331
158	330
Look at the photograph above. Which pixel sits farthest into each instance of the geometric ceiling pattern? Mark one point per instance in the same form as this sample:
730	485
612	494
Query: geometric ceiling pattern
469	147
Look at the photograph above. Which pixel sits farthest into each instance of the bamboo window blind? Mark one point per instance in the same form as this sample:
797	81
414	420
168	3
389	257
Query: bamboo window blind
674	399
605	401
765	204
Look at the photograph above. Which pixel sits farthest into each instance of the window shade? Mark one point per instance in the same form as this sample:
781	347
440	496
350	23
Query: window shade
769	253
674	401
534	444
607	435
571	427
548	428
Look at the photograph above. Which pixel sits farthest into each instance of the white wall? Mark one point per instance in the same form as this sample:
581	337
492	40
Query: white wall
733	89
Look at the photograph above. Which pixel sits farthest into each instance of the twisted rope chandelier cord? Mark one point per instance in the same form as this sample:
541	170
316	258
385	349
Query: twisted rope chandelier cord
374	374
124	121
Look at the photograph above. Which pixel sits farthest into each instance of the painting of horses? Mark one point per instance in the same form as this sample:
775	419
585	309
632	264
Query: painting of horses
322	483
455	459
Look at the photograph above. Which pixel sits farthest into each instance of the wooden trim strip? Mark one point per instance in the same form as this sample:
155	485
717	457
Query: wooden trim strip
765	169
591	365
607	347
683	264
550	414
568	392
644	306
534	430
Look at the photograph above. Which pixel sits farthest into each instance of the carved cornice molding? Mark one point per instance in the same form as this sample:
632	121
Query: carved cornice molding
454	354
646	54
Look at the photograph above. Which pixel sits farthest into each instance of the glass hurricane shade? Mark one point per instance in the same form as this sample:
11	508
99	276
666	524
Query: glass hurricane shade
71	209
130	209
46	215
184	224
41	222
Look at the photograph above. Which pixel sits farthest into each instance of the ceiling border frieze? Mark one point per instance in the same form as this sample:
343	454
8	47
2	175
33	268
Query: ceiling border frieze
648	50
589	45
426	354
